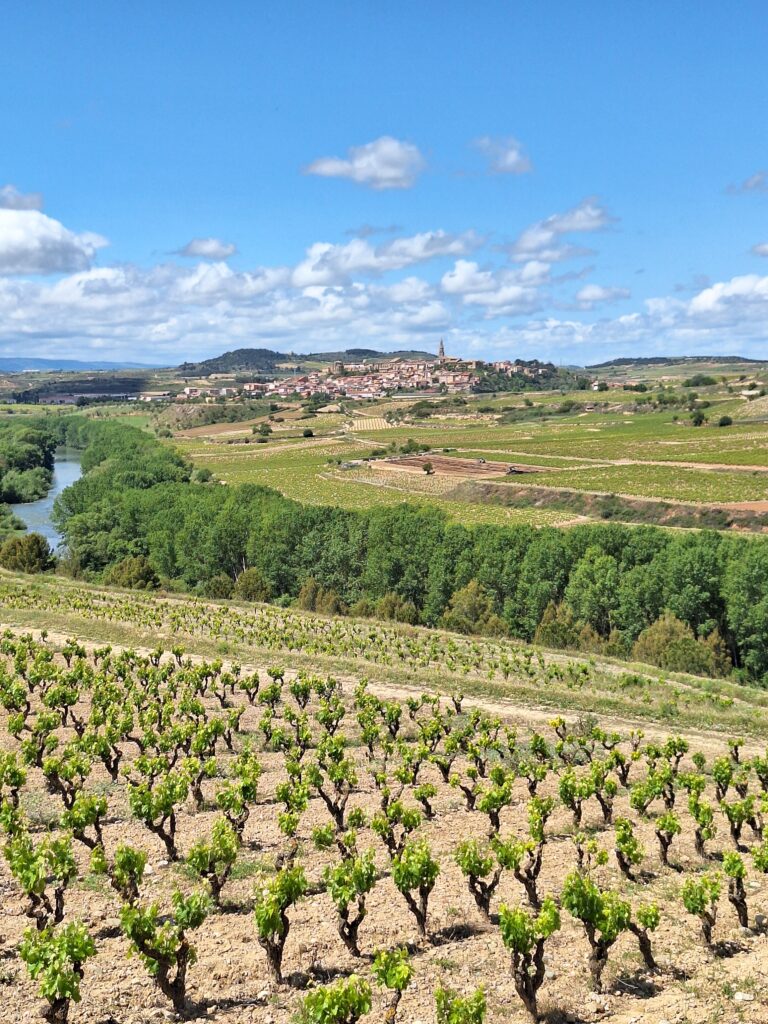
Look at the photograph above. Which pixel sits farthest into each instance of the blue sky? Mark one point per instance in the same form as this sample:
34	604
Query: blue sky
569	181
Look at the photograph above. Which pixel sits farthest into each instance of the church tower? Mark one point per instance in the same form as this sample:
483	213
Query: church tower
441	352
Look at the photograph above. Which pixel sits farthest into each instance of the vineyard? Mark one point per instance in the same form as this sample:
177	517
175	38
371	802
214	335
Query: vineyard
395	655
583	451
200	838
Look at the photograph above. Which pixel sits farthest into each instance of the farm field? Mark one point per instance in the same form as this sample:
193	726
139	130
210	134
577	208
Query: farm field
653	455
300	470
452	813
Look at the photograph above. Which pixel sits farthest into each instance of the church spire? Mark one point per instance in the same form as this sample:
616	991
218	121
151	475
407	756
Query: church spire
441	352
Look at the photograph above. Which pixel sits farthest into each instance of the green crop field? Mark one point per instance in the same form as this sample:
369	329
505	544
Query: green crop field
301	471
603	443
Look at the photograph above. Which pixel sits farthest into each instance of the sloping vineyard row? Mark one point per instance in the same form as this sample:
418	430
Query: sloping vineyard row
385	831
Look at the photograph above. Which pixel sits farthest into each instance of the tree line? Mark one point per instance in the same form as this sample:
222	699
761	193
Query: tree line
142	516
27	449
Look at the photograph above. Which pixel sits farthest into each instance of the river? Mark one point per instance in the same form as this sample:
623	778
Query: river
37	514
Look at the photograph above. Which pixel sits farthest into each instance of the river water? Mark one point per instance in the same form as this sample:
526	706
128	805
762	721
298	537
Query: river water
37	514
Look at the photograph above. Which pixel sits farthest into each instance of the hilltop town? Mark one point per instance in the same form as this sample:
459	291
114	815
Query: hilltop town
376	379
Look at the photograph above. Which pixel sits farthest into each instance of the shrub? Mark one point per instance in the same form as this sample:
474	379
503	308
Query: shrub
133	573
31	553
396	609
416	871
348	883
271	913
455	1009
393	970
164	947
648	918
629	852
214	859
735	871
314	598
307	432
604	916
471	610
667	827
725	421
672	645
250	585
700	896
479	867
558	627
218	588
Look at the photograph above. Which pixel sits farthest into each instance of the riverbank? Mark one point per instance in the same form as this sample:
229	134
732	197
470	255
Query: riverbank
37	515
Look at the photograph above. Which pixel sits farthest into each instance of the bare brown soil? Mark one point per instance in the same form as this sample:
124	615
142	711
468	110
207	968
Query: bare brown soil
229	982
450	466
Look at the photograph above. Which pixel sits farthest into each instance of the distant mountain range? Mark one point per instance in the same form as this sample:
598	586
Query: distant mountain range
265	360
18	364
669	361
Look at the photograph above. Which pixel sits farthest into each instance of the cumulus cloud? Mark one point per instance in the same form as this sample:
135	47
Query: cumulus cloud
12	199
382	164
747	294
592	295
326	263
505	155
410	289
542	240
354	290
32	243
761	249
466	277
501	292
208	249
757	182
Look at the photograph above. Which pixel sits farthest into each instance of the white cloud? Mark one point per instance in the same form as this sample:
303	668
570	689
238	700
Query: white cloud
505	155
410	289
32	243
748	293
757	182
352	292
761	249
592	295
465	278
383	164
508	299
12	199
208	249
501	292
542	239
326	263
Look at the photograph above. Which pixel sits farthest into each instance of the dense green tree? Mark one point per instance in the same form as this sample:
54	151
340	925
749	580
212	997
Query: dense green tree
29	553
745	591
543	577
592	590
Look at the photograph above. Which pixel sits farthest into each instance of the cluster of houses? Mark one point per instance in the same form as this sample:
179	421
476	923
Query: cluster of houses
372	380
445	374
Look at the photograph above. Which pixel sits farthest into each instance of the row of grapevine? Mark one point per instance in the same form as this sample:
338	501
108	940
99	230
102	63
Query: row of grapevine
345	792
